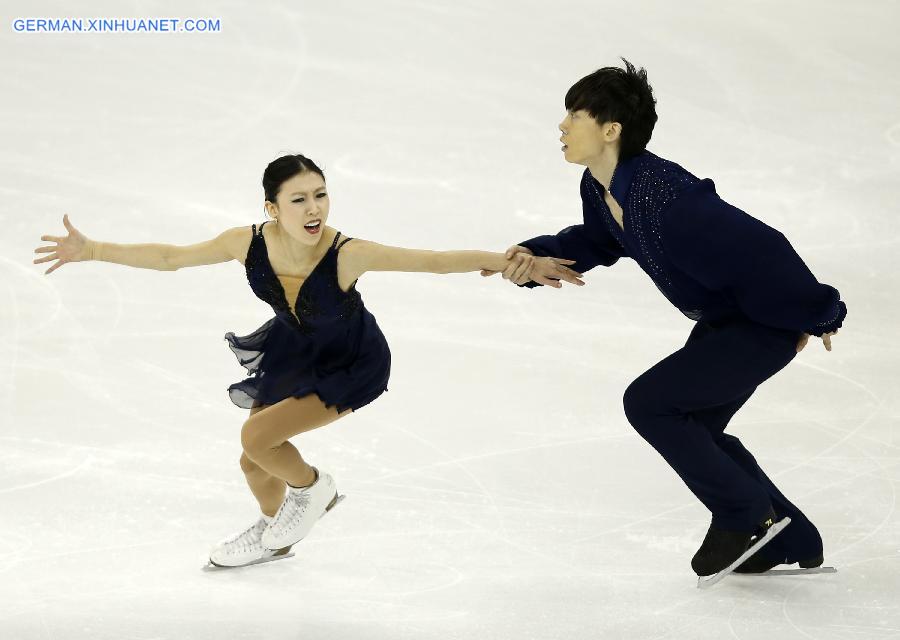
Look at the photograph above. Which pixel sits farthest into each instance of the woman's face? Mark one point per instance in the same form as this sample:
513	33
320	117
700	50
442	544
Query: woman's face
303	202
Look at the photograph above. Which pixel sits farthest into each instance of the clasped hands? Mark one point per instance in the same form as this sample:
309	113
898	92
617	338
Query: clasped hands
524	266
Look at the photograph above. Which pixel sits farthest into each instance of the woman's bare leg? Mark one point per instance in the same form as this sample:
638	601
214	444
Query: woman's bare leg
264	437
267	489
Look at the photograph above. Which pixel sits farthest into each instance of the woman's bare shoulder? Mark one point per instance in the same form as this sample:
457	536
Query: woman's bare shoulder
358	244
354	248
352	253
237	241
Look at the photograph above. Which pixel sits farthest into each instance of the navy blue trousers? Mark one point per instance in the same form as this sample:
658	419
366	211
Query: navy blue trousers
682	405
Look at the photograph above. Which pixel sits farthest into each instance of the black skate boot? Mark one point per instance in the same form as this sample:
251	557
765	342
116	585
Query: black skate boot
722	547
801	543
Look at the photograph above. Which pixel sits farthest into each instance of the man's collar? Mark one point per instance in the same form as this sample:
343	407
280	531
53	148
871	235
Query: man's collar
621	179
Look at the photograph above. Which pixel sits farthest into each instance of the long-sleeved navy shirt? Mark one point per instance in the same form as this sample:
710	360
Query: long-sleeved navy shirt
709	258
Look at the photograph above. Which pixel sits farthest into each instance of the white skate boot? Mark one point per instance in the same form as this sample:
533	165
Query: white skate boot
245	548
300	510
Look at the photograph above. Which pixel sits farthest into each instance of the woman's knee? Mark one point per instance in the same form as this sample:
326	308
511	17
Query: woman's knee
254	440
247	465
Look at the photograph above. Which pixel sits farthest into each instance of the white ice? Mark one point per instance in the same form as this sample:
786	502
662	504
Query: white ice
497	490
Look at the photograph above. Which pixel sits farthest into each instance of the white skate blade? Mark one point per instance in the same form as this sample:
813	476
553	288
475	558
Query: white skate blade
791	572
704	582
209	566
339	500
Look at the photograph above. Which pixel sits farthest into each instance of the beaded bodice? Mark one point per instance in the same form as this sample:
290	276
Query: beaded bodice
320	305
644	186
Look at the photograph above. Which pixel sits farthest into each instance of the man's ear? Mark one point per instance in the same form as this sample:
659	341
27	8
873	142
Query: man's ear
612	131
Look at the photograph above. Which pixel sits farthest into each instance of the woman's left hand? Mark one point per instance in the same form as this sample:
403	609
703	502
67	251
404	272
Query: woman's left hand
826	338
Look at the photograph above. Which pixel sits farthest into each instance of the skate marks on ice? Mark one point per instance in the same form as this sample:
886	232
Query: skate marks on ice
282	554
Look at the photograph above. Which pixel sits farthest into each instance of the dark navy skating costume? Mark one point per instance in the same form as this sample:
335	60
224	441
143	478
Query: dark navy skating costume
751	296
324	342
710	259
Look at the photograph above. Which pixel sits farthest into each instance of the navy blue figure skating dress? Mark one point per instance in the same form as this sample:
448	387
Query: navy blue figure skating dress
328	343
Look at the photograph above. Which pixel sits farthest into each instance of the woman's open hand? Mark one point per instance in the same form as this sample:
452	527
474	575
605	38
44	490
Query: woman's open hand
826	338
75	247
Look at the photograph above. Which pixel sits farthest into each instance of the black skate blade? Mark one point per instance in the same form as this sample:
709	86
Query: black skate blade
792	572
704	582
209	566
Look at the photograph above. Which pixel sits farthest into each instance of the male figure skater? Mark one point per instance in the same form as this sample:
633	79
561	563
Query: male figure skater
754	301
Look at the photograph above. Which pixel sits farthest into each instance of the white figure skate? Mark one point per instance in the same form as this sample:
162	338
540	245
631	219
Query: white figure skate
243	549
300	510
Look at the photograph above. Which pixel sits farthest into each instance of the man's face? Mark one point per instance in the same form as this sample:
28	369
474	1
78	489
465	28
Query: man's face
584	138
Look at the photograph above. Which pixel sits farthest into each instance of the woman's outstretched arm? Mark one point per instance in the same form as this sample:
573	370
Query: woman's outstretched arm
363	255
76	247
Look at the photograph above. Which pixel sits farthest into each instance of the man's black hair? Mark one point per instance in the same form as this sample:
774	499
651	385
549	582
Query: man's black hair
618	95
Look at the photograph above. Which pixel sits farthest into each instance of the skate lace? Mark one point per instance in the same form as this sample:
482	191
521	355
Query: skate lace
296	504
247	539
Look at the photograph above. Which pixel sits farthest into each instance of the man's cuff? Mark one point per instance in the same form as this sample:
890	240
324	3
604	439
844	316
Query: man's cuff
830	326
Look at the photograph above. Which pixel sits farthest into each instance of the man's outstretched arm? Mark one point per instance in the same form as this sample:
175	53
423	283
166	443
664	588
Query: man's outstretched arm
589	244
585	246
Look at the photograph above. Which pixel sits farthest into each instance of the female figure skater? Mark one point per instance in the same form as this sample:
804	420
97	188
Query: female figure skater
321	357
754	301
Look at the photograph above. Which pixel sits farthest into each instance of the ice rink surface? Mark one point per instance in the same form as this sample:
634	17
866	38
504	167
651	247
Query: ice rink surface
497	490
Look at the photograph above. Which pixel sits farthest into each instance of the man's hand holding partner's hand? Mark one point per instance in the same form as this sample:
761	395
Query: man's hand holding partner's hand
525	266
